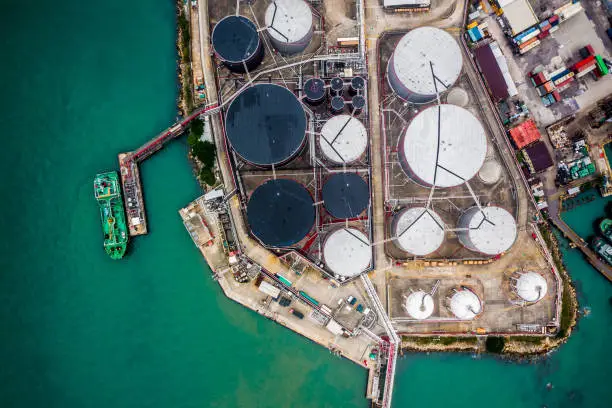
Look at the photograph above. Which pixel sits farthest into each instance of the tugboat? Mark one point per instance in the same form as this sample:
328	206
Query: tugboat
605	227
604	250
108	194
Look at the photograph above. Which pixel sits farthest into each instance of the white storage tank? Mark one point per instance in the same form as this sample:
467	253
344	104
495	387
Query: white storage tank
409	70
489	231
347	253
446	156
343	139
419	305
465	304
418	231
529	286
289	25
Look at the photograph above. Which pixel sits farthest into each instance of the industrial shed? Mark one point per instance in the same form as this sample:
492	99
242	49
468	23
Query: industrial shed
496	80
519	14
525	134
537	157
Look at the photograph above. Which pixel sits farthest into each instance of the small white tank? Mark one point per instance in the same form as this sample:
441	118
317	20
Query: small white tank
465	304
530	286
419	305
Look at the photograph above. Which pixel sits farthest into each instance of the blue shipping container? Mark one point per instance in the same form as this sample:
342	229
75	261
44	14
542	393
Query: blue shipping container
562	74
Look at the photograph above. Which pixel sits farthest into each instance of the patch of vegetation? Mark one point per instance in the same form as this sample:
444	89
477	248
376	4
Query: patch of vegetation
196	129
207	176
442	340
567	309
527	339
495	344
205	152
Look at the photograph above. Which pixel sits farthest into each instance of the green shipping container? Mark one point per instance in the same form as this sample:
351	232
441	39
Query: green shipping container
603	68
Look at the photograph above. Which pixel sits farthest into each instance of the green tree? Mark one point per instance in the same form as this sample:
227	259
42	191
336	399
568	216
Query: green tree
192	139
197	127
205	152
207	176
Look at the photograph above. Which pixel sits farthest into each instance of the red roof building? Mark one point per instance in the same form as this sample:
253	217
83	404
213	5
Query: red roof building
525	134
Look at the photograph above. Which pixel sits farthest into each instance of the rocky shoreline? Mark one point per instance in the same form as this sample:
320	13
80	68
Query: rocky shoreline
184	100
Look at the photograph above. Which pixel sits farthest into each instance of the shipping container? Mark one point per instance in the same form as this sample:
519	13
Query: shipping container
585	63
528	37
307	297
538	79
562	79
283	280
541	91
543	35
554	20
296	313
584	71
601	65
564	85
560	75
544	25
556	95
521	36
530	47
549	86
528	43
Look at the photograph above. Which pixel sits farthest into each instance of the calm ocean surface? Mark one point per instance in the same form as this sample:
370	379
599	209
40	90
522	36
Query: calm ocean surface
82	81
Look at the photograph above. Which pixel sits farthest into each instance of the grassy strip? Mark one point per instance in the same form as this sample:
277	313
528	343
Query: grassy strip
568	304
442	340
184	49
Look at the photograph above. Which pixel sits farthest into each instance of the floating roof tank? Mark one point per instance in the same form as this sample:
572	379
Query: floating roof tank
236	42
289	24
343	139
266	124
419	305
358	102
418	231
530	286
280	212
345	195
347	252
465	304
490	231
357	85
490	172
409	70
314	91
448	156
336	85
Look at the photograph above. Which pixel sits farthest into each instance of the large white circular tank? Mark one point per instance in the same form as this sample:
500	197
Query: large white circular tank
530	286
465	304
343	139
347	252
490	172
419	305
446	157
409	68
490	231
289	24
418	231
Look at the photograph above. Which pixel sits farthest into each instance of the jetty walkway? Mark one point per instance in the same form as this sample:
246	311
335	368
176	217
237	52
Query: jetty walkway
130	175
590	255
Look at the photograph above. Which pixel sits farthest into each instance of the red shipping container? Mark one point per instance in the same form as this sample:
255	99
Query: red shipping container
556	95
553	19
539	78
543	34
585	63
590	48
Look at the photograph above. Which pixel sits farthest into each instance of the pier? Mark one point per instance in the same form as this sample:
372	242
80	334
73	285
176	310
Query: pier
130	175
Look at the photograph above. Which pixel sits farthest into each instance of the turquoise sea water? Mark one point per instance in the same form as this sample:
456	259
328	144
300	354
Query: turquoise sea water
84	81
